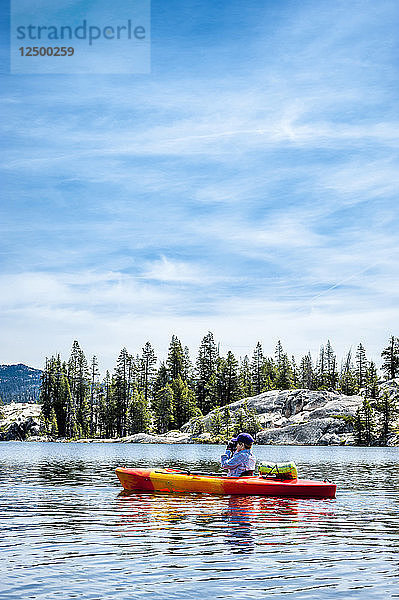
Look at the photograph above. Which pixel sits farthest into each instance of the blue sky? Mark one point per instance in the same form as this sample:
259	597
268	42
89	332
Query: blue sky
247	185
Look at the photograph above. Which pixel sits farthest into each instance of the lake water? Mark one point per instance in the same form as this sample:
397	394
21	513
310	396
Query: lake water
67	531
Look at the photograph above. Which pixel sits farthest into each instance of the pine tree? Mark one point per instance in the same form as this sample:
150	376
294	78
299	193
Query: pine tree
257	370
245	378
57	400
147	371
136	373
216	423
348	381
283	369
53	426
307	375
326	370
211	397
269	375
197	423
83	397
163	409
64	403
66	399
387	407
161	379
321	370
284	374
227	379
369	425
139	415
361	366
295	372
73	363
183	402
46	397
206	367
121	391
278	353
188	368
106	408
390	356
227	422
79	384
49	398
94	393
358	422
331	366
175	360
371	381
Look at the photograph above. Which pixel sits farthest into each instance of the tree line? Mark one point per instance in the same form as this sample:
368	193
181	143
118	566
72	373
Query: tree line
142	395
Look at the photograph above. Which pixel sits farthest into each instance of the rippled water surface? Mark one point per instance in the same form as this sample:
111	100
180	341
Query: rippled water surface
67	531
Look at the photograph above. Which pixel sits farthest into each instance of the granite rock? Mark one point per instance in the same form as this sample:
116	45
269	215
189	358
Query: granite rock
19	421
297	416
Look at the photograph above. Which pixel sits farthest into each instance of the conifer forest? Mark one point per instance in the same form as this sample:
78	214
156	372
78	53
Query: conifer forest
143	395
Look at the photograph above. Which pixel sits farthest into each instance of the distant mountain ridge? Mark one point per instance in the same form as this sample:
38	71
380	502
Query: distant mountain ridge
19	383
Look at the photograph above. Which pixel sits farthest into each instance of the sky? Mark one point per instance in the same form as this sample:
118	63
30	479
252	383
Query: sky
246	186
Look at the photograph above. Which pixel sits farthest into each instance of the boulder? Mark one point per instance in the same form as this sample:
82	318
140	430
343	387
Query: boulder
19	421
297	416
312	432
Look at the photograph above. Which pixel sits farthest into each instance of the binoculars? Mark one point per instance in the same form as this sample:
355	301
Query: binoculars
232	445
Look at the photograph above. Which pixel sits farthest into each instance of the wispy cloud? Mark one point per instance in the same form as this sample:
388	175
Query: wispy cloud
180	272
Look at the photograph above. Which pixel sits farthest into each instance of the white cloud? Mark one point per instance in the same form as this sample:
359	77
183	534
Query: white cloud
175	271
80	291
33	332
362	180
281	231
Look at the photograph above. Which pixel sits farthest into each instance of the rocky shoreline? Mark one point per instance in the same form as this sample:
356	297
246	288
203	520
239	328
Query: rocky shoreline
287	417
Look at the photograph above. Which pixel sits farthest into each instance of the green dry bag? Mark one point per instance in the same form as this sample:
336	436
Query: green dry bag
286	470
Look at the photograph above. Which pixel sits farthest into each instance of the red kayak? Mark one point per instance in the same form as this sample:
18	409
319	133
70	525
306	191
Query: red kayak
170	480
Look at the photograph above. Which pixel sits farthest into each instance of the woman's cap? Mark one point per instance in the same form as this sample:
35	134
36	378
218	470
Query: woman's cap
244	438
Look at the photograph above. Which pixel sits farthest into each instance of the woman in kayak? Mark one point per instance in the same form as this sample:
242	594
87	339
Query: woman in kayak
238	458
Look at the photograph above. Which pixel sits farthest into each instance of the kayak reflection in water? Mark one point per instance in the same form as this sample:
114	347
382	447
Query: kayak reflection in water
238	458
